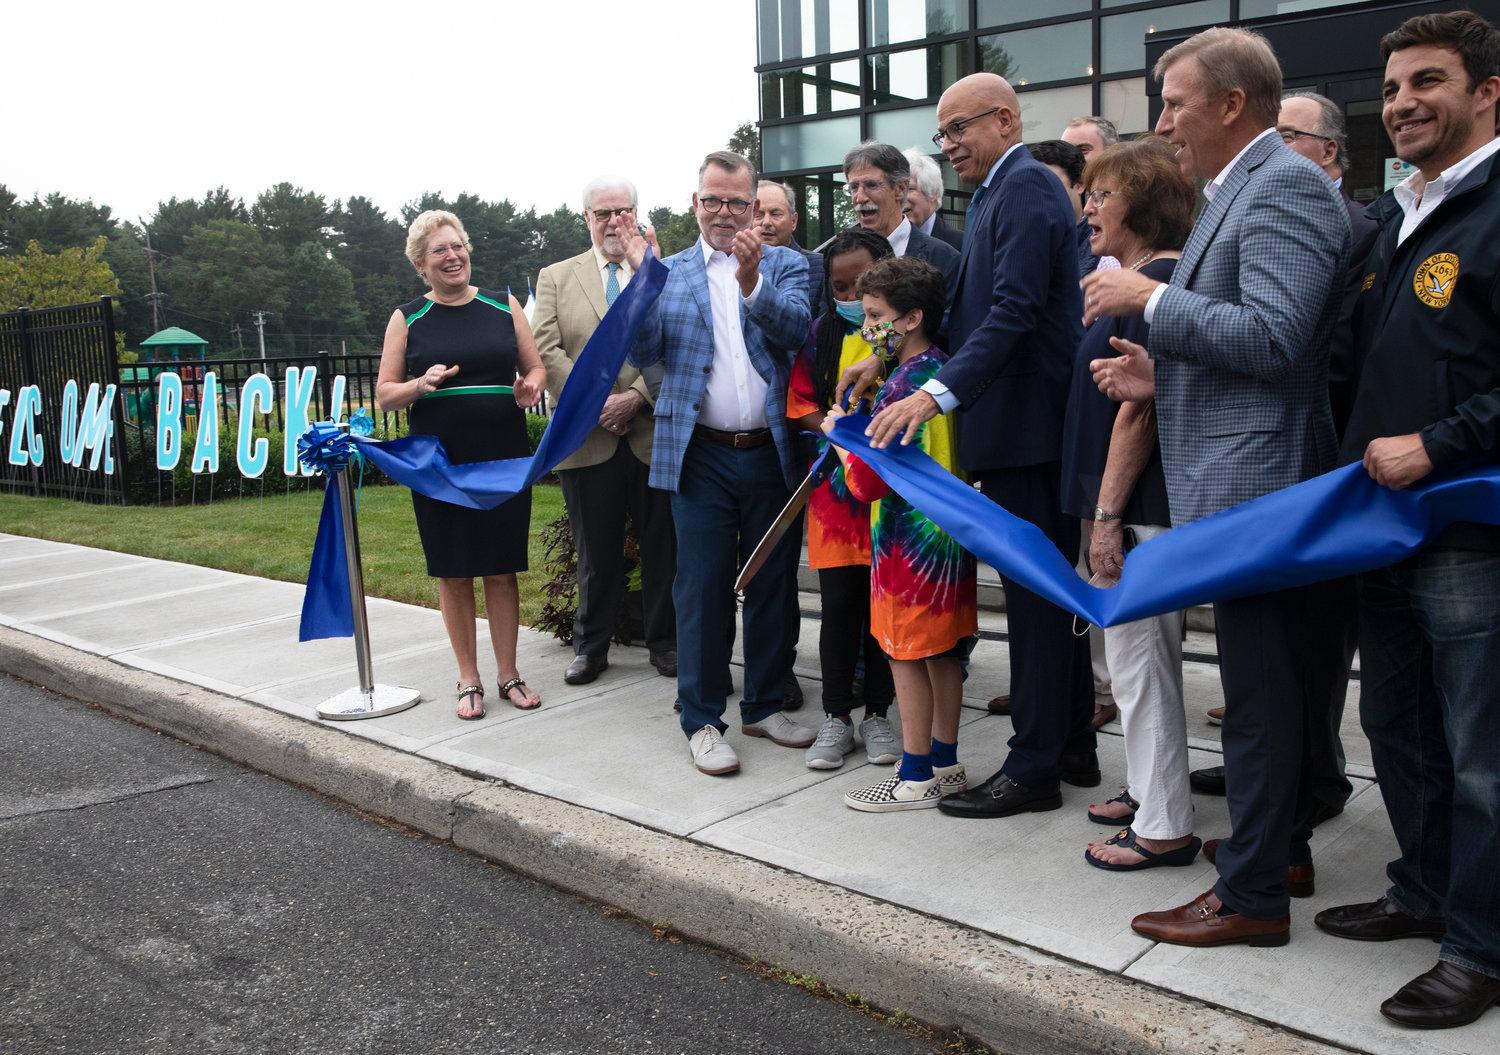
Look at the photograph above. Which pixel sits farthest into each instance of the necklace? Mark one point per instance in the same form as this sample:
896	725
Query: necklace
1137	265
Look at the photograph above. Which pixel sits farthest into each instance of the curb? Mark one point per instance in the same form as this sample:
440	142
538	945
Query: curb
1006	996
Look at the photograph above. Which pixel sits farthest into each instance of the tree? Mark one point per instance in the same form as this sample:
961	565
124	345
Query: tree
675	231
373	247
289	216
320	302
226	270
55	223
37	279
745	141
174	219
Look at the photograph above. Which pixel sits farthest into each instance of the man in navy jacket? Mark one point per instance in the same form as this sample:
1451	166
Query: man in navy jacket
1012	332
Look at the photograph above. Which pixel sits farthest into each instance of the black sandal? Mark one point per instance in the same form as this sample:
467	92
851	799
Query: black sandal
1124	818
517	683
471	690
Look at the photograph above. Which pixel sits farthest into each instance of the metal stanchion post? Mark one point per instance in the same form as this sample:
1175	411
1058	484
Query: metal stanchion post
368	700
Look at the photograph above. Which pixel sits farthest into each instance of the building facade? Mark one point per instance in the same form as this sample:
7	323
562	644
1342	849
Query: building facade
834	72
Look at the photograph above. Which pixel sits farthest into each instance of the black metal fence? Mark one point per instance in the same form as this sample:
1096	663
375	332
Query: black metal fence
48	348
40	352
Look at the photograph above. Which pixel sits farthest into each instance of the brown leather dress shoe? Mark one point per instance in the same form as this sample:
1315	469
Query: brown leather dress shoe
1200	924
1378	920
1299	878
999	705
1448	995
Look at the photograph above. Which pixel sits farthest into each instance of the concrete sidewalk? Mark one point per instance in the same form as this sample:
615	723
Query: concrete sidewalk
997	927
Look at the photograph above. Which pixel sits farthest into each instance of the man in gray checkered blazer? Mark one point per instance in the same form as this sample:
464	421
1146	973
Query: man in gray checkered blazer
1239	346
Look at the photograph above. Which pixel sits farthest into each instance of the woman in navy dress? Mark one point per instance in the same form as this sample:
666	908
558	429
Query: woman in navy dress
464	360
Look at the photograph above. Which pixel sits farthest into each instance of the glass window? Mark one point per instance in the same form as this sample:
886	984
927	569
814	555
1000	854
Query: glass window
1122	38
921	73
1045	114
794	29
1046	53
905	128
809	144
1258	8
1124	103
826	209
1000	12
809	90
896	21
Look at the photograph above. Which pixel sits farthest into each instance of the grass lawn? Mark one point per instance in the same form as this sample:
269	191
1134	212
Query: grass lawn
271	536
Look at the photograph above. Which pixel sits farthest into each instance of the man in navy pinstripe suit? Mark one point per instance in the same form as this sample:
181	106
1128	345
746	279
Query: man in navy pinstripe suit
727	323
1239	342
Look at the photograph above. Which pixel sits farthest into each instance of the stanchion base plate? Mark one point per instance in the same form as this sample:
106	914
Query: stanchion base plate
355	703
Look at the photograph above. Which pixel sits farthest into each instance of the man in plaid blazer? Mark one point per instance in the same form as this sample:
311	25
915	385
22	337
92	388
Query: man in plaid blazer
726	326
1239	341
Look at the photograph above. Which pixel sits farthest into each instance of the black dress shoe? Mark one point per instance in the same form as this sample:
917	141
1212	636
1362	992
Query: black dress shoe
1448	995
665	662
585	669
1081	770
1209	781
791	693
1381	920
1000	797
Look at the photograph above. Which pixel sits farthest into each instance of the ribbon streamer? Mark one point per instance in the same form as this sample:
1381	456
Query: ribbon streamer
1332	525
421	464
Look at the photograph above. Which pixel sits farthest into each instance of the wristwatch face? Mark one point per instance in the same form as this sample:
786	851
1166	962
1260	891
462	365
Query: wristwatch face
1100	514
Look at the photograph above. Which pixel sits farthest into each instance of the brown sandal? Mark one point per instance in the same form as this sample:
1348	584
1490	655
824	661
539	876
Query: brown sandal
517	683
465	691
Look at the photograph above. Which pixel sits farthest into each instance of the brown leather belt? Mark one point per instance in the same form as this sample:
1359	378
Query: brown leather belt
742	440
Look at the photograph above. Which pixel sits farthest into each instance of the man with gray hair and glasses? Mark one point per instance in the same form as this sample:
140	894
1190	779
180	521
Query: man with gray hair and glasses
1090	134
924	199
878	176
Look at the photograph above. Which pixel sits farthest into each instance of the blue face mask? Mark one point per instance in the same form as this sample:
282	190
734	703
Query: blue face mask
851	311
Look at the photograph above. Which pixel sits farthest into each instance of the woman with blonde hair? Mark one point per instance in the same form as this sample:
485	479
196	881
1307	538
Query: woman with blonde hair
464	360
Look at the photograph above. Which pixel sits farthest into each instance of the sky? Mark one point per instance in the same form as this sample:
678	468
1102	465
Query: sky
525	101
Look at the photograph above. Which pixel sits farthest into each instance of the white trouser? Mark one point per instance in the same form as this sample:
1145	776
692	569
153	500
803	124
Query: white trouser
1096	636
1145	665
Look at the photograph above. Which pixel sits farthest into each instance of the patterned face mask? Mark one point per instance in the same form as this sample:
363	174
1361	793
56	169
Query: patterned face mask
884	338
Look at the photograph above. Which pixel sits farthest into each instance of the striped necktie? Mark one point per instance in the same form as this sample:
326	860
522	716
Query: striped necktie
973	209
612	284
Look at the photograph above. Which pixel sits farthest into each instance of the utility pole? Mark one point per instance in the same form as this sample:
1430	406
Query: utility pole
155	296
260	326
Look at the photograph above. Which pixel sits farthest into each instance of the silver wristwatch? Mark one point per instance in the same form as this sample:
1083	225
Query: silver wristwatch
1101	516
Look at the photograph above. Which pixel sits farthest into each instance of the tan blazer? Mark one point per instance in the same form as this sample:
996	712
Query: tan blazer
569	305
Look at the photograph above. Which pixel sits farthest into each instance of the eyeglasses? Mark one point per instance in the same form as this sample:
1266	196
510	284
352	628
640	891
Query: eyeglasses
444	250
1291	135
871	187
1097	198
954	133
606	215
736	206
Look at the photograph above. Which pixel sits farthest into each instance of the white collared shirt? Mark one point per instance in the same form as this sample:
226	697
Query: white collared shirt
602	263
900	236
734	399
1417	203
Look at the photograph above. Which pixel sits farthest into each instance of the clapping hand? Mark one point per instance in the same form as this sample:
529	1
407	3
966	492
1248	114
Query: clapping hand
746	251
1128	377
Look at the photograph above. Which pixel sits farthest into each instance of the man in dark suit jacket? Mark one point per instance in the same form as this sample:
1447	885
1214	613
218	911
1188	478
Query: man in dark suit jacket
1239	340
776	216
1012	332
727	323
924	200
878	176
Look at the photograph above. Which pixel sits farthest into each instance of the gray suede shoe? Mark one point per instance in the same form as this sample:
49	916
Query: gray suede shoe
835	740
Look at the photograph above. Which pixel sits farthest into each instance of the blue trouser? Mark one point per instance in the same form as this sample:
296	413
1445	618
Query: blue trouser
726	501
1429	646
1051	681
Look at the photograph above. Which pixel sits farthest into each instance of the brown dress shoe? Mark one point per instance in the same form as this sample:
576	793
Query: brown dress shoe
1200	924
1299	878
999	705
1448	995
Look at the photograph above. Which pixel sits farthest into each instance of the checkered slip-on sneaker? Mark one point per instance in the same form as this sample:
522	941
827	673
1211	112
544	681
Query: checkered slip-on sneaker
893	794
951	779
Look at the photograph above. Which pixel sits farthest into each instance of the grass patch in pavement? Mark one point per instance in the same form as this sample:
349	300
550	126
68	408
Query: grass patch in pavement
272	536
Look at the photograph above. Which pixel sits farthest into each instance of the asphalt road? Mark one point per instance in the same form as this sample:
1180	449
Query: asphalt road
155	898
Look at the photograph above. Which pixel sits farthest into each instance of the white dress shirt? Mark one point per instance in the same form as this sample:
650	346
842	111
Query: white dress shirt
623	274
734	400
1417	202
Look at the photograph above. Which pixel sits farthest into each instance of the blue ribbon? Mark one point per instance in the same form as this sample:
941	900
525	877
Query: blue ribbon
421	464
1335	524
324	447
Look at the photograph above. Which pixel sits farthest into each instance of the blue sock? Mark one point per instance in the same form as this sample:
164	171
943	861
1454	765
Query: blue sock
944	754
915	767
